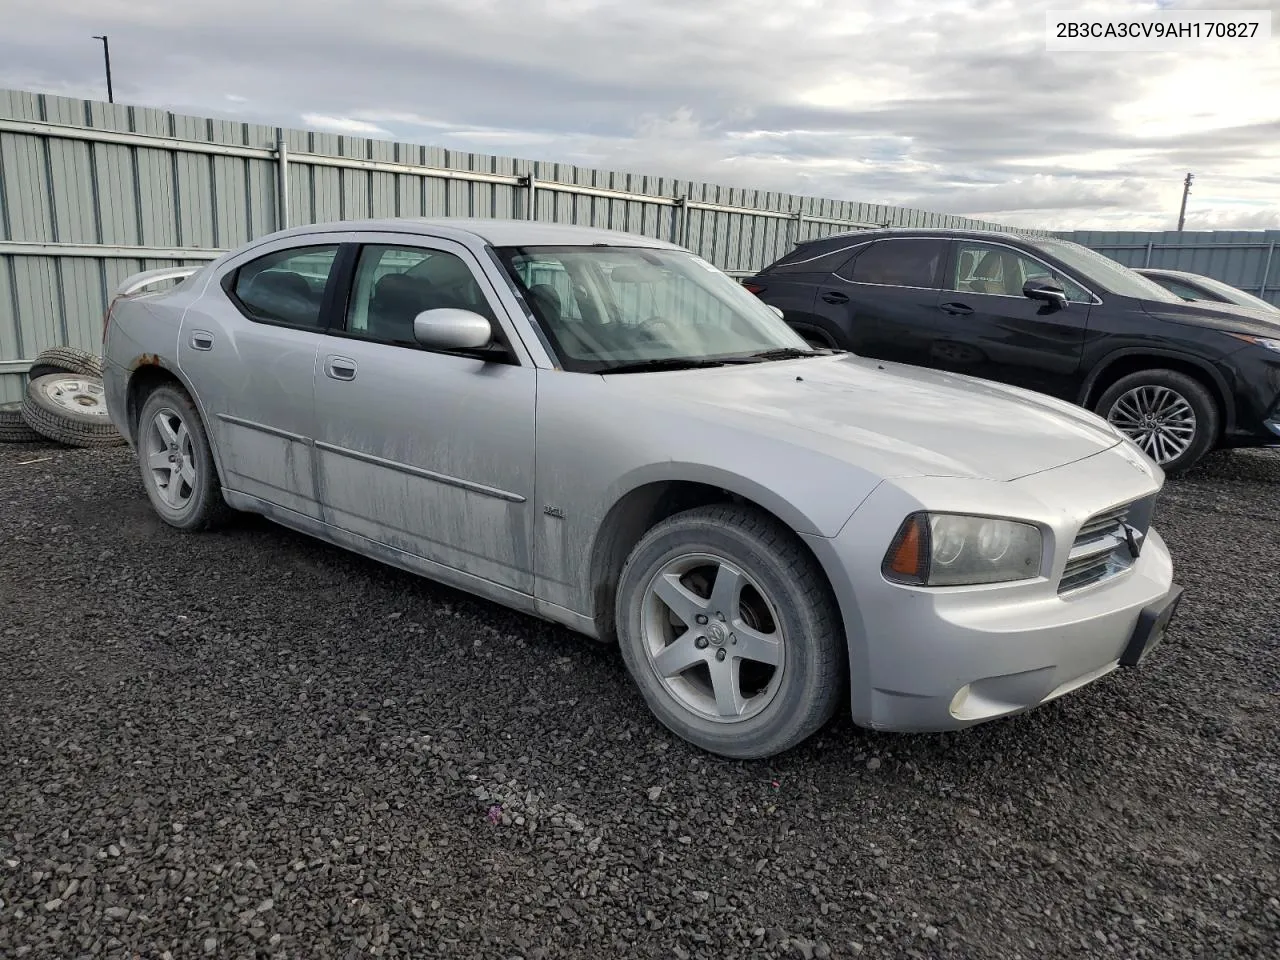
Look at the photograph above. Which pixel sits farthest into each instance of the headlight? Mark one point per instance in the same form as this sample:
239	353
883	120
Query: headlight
1264	342
951	550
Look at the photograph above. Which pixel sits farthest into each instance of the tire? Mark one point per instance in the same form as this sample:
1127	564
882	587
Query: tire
71	409
1187	417
13	429
779	706
65	360
197	502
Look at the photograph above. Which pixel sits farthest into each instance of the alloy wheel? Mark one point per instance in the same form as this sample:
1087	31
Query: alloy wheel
170	457
713	638
1159	420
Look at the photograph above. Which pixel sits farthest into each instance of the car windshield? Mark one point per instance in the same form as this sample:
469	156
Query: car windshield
613	307
1101	271
1235	294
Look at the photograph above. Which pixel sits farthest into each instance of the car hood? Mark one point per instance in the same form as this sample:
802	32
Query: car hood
1227	317
895	419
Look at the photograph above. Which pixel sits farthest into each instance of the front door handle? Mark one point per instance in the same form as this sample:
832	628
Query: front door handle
340	368
831	296
201	340
955	309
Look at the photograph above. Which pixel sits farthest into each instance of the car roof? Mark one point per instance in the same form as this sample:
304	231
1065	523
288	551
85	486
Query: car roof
942	233
497	232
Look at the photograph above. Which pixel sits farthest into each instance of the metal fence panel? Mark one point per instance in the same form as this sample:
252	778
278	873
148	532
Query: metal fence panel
131	188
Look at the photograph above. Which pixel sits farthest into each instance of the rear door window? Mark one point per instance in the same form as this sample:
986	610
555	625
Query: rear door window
286	287
899	263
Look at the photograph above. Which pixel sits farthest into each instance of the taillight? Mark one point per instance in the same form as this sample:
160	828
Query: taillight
756	288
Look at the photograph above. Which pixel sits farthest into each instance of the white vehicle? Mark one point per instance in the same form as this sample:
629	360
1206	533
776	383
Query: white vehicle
606	431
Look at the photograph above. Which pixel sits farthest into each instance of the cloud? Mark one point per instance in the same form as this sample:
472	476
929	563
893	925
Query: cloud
942	105
344	125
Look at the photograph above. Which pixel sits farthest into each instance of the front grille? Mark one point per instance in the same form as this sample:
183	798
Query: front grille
1101	549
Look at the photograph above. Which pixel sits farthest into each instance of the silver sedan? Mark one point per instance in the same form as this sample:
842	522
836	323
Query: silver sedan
606	431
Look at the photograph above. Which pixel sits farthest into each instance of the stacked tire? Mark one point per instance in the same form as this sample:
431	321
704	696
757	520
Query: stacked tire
65	402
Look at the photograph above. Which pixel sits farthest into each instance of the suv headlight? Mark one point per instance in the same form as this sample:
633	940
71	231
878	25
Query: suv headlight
951	550
1265	342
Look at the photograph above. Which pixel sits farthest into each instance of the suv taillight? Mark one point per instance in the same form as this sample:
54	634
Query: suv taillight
756	288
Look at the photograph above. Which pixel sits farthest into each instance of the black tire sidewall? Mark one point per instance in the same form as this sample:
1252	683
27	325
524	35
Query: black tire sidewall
1200	399
206	499
810	689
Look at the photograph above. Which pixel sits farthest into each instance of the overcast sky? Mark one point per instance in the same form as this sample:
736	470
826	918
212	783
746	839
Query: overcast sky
945	105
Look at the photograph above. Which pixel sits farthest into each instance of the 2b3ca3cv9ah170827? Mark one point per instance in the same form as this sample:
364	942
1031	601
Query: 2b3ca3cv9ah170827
606	431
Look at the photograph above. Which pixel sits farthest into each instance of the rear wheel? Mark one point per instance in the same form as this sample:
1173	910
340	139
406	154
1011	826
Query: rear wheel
177	463
1169	415
729	629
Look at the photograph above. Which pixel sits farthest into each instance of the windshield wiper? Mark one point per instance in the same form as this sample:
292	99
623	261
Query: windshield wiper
662	363
786	353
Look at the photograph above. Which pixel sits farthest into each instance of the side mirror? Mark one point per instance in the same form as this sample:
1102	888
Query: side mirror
781	315
451	329
1046	290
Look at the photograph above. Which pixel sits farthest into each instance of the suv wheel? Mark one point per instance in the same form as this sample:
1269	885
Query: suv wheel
1169	415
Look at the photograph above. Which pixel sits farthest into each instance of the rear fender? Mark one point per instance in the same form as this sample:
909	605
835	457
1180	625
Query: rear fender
148	364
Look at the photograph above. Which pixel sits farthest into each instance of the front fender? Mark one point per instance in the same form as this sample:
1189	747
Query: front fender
815	516
1223	389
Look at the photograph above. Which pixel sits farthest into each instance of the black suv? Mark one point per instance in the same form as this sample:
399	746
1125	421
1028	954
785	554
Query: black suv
1045	314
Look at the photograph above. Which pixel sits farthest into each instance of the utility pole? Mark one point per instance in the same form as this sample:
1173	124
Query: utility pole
1186	189
106	56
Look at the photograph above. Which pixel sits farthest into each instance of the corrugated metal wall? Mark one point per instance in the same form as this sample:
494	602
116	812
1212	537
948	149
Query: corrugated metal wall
1242	258
91	192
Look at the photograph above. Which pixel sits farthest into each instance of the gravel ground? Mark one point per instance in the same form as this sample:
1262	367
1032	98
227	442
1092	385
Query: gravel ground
250	744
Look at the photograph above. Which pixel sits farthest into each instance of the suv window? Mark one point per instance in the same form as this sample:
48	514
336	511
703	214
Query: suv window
824	259
899	263
991	268
395	284
286	286
1181	289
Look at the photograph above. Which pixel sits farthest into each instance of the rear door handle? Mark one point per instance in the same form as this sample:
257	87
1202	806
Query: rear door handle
340	368
955	309
201	340
831	296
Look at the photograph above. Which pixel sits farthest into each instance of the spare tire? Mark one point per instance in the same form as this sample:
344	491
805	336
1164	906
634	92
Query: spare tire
13	429
70	409
65	360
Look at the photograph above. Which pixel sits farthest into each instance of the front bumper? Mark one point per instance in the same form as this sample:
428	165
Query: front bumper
931	659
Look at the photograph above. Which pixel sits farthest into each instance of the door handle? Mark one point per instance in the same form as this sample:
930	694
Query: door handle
200	340
831	296
340	368
955	309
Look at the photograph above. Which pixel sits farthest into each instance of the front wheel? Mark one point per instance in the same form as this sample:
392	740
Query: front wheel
728	627
1170	416
177	462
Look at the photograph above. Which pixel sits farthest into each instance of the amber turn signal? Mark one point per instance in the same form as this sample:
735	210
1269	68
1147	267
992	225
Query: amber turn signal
908	558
